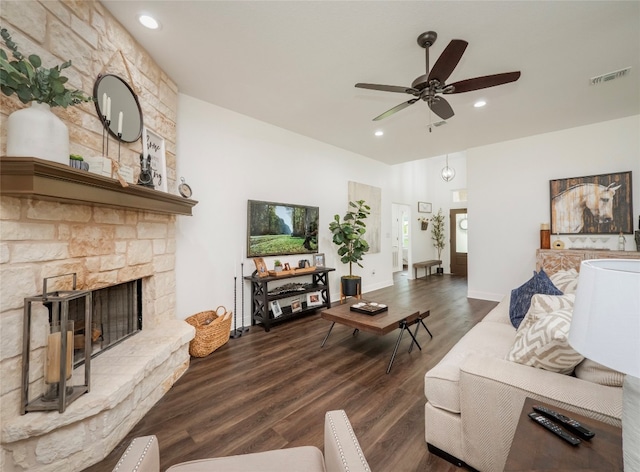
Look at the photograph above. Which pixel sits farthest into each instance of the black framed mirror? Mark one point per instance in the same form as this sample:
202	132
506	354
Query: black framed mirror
123	99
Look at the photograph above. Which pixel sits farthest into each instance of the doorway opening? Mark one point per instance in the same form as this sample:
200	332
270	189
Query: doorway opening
459	241
401	240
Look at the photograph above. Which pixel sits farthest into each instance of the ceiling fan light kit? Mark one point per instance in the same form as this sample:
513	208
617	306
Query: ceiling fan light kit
430	86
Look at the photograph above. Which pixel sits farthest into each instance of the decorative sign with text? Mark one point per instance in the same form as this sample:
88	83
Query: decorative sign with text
153	146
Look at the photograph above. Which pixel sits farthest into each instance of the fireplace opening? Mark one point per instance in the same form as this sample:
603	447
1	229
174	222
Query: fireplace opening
116	315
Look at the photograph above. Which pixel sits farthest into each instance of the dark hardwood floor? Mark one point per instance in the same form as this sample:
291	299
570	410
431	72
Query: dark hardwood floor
267	391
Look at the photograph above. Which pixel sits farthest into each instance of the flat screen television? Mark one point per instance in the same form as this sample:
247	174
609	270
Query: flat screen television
278	229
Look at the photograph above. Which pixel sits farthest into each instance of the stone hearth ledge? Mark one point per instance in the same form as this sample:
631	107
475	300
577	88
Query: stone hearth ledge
126	381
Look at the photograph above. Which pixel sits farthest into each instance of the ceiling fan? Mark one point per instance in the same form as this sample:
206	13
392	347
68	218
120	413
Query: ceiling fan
429	86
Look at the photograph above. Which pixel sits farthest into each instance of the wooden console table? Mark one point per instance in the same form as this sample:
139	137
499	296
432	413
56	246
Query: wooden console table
554	260
536	449
261	298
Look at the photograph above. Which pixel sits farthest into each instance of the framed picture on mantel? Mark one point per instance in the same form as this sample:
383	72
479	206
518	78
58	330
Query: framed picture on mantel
153	146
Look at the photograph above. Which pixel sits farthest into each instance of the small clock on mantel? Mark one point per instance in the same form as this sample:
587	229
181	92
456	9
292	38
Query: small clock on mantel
184	189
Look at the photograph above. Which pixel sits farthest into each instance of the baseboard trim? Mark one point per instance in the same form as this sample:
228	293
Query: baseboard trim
448	457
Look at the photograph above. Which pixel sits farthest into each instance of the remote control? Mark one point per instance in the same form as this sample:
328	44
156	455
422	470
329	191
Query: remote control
554	428
569	423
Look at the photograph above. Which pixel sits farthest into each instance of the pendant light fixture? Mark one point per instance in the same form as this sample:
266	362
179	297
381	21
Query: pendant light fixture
448	173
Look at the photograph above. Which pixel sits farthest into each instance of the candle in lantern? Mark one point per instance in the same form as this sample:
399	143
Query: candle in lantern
108	108
54	348
120	119
104	104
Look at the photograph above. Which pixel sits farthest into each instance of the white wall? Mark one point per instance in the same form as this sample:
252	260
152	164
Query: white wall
421	180
508	187
227	159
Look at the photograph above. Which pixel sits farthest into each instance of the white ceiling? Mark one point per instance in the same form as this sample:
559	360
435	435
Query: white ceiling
294	64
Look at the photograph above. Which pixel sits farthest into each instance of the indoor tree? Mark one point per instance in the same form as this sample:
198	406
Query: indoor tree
437	233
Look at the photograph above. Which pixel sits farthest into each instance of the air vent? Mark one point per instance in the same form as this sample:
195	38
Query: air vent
610	76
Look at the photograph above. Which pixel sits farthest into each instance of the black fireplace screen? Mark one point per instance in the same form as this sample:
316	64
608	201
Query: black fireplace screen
116	315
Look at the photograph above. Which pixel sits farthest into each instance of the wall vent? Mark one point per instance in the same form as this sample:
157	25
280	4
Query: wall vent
609	76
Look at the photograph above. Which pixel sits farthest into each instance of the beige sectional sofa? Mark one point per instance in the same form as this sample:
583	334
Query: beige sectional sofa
475	395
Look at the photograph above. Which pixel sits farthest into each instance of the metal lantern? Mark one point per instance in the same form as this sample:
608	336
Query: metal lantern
59	349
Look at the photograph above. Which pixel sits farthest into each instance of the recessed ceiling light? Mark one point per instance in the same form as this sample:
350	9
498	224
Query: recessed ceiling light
479	104
379	133
148	21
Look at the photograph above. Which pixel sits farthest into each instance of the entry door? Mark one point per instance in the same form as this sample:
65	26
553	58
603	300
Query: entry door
458	243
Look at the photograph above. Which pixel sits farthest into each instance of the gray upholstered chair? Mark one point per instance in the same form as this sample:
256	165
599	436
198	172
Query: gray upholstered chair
341	453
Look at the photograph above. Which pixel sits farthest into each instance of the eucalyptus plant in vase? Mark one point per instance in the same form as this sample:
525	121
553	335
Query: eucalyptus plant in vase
36	131
348	235
437	235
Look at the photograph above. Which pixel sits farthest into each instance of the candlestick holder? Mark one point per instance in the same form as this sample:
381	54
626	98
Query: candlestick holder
243	328
104	132
107	123
235	333
119	141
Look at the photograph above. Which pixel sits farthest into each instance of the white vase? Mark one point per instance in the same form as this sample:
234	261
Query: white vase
37	132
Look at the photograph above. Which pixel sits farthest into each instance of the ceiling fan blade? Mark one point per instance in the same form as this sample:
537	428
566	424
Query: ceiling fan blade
395	109
441	107
486	81
388	88
448	60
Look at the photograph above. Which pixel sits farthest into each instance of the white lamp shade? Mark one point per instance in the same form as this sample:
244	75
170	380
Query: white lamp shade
605	326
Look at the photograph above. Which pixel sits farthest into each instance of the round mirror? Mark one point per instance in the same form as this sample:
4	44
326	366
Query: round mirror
123	100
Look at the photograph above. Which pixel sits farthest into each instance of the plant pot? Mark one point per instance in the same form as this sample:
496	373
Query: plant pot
37	132
351	286
440	270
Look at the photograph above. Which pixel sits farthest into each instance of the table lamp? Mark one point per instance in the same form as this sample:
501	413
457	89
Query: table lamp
605	328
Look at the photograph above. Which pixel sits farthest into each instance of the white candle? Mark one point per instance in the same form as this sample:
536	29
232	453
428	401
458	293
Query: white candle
120	118
108	108
104	104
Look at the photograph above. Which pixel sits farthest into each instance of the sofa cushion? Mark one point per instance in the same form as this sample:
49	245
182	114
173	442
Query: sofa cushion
565	280
545	344
295	459
500	313
521	296
486	339
591	371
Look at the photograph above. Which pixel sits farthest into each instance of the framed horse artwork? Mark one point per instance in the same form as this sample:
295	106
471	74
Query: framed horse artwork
596	204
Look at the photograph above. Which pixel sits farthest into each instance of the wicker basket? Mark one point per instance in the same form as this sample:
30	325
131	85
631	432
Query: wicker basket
212	331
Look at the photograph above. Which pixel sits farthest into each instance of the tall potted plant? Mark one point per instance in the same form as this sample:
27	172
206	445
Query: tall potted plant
437	235
36	131
348	236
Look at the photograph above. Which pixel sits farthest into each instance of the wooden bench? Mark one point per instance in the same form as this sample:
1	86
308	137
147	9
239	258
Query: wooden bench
427	265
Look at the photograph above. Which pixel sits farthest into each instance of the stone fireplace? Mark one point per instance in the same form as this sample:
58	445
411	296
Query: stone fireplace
105	246
56	220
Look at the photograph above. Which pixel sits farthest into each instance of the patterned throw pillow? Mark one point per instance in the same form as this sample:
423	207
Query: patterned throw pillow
542	305
521	297
545	344
565	280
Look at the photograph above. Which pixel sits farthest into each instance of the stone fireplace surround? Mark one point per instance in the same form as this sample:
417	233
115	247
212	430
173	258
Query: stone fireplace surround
103	246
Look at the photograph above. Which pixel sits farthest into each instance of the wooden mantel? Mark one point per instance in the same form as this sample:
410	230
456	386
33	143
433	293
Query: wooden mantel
42	179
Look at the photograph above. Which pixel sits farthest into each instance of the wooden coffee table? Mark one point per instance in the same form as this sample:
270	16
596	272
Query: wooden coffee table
380	324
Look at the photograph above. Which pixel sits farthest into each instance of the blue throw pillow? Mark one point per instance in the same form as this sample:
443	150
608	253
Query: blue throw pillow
521	297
